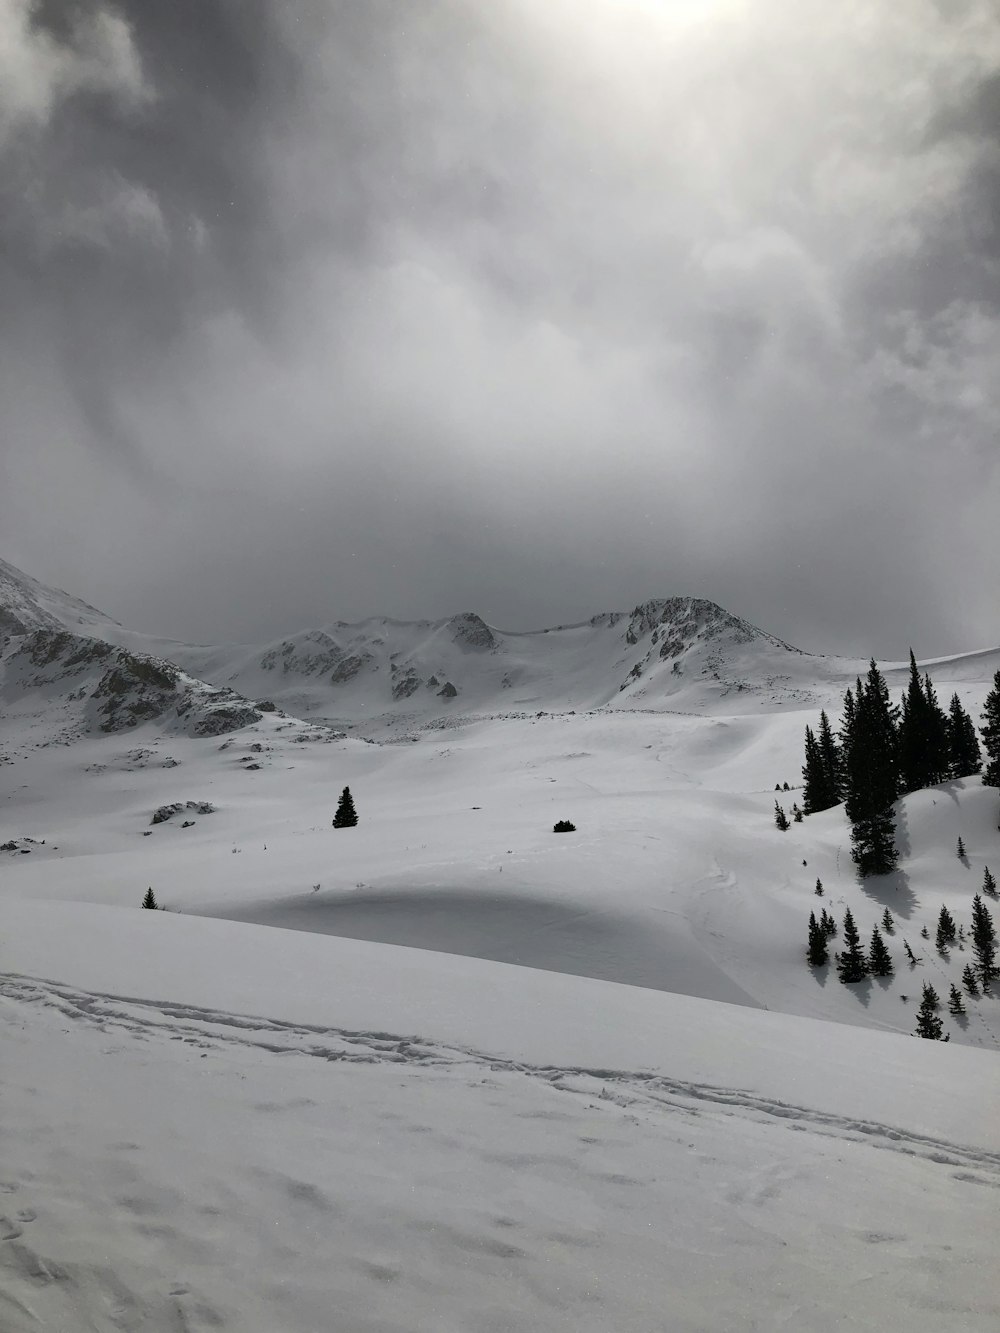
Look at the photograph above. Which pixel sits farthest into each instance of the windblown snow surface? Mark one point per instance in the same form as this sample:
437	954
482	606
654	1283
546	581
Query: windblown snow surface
448	1070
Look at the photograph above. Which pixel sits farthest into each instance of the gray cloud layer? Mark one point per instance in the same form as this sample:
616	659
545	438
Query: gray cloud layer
323	310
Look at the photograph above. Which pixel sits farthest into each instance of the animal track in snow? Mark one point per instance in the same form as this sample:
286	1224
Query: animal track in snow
653	1092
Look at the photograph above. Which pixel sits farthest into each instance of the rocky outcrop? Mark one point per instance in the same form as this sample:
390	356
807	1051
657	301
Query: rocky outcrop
165	812
471	631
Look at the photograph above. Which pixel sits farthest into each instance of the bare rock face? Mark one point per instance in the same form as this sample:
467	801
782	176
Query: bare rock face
471	631
405	682
447	691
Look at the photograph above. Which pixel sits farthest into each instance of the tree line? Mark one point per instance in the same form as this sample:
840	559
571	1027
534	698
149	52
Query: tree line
884	750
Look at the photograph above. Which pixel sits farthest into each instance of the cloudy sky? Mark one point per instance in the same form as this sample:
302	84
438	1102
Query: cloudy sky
333	308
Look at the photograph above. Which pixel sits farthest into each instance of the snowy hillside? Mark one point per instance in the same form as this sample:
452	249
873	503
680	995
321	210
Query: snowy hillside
449	1069
27	605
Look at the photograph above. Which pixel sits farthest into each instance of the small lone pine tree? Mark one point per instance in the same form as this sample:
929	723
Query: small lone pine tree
346	816
924	933
879	957
888	925
910	954
817	952
956	1005
989	883
150	900
819	888
969	982
780	818
828	923
796	813
784	786
960	849
984	944
852	966
928	1023
946	930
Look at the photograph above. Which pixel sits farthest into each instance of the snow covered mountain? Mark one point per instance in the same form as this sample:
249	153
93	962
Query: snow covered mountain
27	605
449	1060
678	654
62	674
682	653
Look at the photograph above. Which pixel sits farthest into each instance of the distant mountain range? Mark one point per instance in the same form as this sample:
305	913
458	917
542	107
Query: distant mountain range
680	654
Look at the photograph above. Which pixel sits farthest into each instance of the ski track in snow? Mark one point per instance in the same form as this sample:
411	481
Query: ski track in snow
636	1090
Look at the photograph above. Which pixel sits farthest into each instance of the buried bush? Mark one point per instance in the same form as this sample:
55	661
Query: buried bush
563	826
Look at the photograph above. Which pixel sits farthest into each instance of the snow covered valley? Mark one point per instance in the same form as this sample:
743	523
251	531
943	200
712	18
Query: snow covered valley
449	1070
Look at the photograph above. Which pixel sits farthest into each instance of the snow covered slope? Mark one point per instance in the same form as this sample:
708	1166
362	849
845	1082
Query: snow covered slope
214	1126
27	605
449	1069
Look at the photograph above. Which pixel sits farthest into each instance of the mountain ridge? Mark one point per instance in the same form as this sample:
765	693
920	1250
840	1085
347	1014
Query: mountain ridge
682	654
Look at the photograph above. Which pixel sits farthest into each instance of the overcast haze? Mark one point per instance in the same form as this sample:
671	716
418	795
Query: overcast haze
316	311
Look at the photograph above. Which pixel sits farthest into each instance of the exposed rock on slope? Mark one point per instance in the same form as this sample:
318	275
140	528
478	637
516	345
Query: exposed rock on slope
94	686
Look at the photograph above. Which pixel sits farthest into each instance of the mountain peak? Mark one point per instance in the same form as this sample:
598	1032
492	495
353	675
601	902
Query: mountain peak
27	605
471	631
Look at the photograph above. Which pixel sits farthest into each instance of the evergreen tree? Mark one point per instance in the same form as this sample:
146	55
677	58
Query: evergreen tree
964	756
989	883
819	888
818	789
990	730
870	777
960	849
848	723
956	1005
928	1023
828	923
946	929
784	786
853	965
346	816
817	953
913	729
830	755
150	900
888	925
780	818
910	954
984	944
879	957
796	813
925	933
969	981
938	750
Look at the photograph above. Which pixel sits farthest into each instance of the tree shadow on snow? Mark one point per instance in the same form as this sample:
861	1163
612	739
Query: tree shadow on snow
821	974
892	891
861	990
902	829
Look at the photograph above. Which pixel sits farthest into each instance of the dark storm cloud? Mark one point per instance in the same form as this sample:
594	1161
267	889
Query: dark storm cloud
322	310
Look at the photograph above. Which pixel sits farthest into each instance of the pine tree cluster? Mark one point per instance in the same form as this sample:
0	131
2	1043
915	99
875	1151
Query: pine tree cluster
885	750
